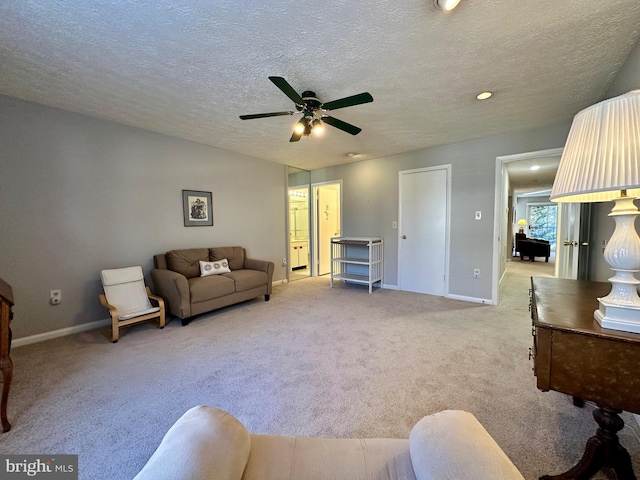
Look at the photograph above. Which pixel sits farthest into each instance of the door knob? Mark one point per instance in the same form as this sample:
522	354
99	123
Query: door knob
404	237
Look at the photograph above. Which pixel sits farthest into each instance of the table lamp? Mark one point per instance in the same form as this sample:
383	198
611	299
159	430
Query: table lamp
601	162
522	223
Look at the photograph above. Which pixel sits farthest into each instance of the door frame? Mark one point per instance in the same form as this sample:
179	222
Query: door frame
313	247
500	215
447	228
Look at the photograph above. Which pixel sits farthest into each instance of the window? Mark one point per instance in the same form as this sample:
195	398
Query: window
542	222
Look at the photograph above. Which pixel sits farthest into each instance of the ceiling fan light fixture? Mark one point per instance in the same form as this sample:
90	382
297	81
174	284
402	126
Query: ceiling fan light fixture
300	127
318	127
446	5
307	128
312	110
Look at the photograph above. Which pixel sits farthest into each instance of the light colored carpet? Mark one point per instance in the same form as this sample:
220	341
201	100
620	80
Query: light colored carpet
314	361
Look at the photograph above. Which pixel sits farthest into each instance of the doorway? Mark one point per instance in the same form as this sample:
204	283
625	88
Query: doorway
505	226
299	221
327	215
423	225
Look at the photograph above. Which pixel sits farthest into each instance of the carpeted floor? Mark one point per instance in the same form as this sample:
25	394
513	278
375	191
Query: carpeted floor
314	361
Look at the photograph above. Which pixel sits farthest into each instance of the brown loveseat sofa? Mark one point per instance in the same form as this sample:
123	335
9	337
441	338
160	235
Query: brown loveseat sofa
177	278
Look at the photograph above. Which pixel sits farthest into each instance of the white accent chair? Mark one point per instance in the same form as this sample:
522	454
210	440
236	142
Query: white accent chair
127	299
209	443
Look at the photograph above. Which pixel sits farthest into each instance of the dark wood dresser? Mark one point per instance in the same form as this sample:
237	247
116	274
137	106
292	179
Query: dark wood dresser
573	354
6	315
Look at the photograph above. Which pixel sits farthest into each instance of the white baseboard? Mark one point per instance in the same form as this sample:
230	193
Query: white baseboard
41	337
390	287
464	298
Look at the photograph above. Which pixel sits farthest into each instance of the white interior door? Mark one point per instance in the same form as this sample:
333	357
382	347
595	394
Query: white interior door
328	223
567	240
422	255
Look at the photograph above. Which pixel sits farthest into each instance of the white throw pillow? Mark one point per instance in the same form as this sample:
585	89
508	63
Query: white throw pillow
214	268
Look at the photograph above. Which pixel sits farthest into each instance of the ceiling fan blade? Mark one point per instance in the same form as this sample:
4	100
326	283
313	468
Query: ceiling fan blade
295	137
287	89
344	126
264	115
348	101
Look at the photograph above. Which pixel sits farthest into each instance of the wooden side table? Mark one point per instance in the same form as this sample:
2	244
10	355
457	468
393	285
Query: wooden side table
573	354
6	315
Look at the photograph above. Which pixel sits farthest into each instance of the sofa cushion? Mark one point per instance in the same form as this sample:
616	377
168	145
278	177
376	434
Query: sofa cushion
275	457
235	256
205	443
247	279
187	262
207	288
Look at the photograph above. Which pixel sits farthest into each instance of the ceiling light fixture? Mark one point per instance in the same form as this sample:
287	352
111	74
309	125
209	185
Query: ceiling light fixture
318	127
300	127
446	5
534	167
484	95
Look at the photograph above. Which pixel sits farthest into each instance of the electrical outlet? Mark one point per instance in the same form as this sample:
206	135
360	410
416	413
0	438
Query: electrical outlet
394	224
476	273
284	262
55	297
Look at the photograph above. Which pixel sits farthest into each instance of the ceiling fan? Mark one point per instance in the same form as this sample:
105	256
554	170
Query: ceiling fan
313	110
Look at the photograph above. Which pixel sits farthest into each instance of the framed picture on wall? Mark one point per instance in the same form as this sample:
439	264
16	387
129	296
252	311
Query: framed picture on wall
197	208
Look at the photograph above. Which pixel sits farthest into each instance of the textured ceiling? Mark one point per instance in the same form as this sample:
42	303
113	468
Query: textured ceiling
522	179
188	68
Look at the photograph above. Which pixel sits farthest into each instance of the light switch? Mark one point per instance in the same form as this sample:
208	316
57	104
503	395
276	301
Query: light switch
478	215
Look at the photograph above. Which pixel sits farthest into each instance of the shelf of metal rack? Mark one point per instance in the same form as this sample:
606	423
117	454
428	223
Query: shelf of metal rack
357	260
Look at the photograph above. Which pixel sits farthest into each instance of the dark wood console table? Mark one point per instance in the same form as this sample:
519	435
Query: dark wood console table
573	354
6	314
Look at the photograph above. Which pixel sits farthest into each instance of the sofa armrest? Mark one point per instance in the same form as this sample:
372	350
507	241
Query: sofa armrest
173	287
263	266
205	443
453	445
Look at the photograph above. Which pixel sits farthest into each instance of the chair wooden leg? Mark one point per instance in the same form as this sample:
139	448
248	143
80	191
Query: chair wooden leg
115	328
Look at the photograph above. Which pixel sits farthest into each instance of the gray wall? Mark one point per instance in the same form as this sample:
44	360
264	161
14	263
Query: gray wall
78	195
628	77
602	225
370	199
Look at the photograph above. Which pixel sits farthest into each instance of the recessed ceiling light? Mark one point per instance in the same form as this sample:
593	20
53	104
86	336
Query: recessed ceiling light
446	4
484	95
535	167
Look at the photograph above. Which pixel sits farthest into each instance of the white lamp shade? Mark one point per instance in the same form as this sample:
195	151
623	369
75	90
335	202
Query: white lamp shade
602	153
